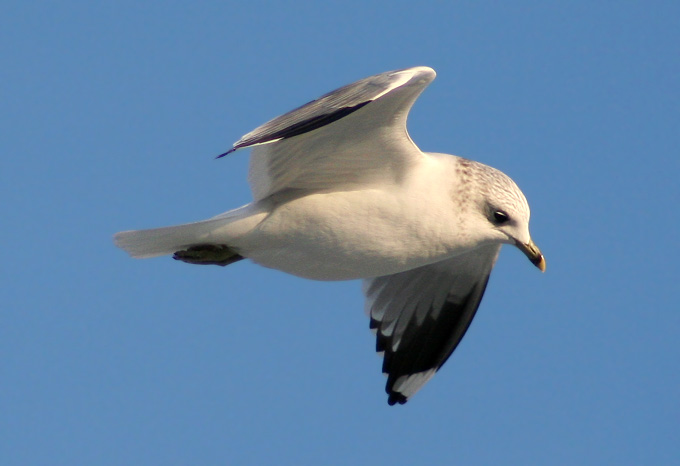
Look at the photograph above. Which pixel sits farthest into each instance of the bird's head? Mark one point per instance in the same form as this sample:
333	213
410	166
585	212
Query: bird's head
503	212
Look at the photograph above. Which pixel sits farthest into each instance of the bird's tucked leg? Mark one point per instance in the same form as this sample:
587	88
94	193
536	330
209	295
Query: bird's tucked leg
208	254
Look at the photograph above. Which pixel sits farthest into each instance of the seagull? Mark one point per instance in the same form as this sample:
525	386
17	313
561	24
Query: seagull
341	192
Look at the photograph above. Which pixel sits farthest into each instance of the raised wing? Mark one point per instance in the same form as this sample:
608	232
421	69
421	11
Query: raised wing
355	135
421	315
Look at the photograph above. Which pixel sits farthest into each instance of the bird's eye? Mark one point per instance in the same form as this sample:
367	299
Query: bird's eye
500	217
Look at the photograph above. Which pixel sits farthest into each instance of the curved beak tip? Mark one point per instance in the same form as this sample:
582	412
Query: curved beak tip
541	263
533	253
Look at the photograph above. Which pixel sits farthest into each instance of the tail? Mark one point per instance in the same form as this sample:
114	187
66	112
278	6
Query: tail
223	230
142	244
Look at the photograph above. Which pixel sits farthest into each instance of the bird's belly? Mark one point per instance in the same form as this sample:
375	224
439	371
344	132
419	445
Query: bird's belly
346	235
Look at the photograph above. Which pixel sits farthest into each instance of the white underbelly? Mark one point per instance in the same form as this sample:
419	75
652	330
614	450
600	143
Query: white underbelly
347	235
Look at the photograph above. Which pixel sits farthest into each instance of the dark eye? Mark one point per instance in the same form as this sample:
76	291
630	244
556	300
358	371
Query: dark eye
500	217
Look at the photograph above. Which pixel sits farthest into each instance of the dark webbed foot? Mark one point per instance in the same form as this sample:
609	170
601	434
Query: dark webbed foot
208	254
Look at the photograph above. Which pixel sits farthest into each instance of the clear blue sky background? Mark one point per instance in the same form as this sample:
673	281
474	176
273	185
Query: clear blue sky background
111	115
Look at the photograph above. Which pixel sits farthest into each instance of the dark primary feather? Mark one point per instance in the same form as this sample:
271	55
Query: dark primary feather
428	345
421	315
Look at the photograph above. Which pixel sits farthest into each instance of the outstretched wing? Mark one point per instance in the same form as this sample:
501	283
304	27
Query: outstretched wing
355	135
421	315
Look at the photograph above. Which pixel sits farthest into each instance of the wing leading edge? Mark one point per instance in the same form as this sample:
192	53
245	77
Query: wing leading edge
333	106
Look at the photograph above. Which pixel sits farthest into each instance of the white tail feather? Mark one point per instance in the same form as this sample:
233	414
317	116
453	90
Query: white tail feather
222	230
167	240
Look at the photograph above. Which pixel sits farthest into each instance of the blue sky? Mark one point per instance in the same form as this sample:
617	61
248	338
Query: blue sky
112	113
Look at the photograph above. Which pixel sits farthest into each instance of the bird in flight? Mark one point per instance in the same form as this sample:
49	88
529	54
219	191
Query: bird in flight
341	192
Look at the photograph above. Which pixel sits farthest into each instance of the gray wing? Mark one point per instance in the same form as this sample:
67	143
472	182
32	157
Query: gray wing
353	135
421	315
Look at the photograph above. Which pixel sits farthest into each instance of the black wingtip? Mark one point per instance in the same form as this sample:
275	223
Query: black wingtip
226	153
396	397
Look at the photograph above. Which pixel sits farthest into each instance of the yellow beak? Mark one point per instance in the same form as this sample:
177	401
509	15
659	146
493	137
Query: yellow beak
533	253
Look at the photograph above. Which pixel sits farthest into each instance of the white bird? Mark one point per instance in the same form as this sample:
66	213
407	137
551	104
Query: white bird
341	192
